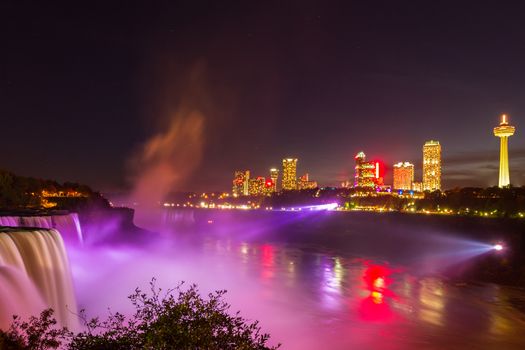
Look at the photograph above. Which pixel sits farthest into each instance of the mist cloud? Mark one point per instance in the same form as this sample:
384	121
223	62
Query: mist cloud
175	106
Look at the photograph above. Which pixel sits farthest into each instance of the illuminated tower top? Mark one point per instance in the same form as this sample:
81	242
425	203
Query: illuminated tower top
504	129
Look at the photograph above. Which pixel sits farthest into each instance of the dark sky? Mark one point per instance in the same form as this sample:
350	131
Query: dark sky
84	86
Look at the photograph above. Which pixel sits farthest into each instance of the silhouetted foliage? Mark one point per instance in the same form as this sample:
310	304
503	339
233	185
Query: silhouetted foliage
20	192
38	333
176	319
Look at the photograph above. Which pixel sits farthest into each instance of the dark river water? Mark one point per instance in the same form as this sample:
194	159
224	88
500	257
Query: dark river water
318	280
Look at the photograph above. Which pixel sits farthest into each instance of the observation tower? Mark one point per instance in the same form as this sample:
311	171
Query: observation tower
504	131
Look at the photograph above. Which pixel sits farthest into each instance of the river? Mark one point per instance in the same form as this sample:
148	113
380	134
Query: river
317	280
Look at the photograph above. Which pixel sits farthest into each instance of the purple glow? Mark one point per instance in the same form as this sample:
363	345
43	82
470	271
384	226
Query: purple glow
301	296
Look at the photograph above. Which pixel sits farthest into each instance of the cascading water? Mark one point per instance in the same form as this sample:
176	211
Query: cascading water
37	221
33	267
68	225
18	296
12	221
174	217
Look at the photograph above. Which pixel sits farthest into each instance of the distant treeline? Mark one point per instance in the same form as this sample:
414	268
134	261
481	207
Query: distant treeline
491	202
21	192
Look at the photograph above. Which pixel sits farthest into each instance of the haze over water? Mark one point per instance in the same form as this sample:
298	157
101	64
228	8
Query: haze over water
306	278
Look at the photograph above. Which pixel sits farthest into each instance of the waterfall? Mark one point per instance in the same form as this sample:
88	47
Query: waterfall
33	267
18	296
68	224
178	216
37	221
13	221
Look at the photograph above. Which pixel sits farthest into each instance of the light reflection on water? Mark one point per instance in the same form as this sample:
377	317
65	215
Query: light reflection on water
341	310
308	297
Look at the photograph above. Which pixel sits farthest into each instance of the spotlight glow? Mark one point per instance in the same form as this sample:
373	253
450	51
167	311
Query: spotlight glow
330	206
497	247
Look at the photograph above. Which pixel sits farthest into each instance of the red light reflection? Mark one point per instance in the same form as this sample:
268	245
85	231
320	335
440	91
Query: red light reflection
377	278
267	261
374	307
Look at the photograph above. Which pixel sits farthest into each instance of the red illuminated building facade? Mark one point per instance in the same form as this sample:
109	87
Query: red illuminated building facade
367	174
241	183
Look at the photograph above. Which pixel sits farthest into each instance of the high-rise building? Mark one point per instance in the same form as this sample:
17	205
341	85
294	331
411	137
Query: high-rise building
431	166
257	186
347	184
366	173
269	187
274	176
289	174
304	183
504	131
403	176
241	183
417	186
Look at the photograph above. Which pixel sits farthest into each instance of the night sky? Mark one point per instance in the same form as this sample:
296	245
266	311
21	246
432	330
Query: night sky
84	86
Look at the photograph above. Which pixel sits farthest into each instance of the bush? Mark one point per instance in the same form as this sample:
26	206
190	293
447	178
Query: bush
38	333
177	319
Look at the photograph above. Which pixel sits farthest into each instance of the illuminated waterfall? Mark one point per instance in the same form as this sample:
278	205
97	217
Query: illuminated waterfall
12	221
34	271
68	225
18	296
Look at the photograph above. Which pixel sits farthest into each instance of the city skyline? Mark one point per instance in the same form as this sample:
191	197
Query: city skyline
369	174
314	81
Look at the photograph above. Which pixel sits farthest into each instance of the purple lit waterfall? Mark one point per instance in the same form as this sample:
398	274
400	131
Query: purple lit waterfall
35	273
68	225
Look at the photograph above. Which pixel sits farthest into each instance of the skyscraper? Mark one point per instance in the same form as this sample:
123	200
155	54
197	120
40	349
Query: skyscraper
431	166
365	172
403	176
241	183
289	174
304	183
257	186
504	131
274	175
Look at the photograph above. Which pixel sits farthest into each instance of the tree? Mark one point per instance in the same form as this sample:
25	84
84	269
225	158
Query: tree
38	333
177	319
